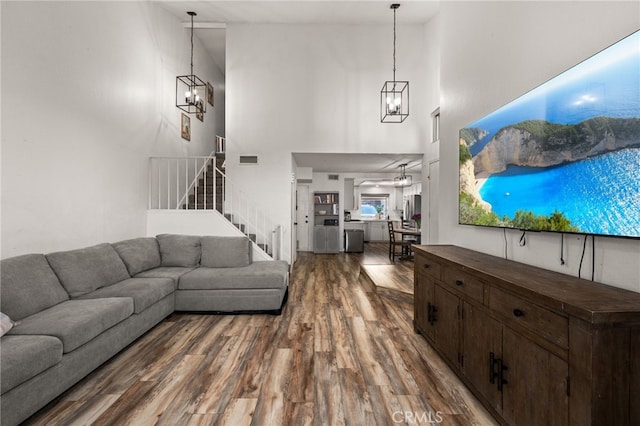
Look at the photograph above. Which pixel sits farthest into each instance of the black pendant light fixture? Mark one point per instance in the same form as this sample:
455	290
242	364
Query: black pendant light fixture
394	96
190	90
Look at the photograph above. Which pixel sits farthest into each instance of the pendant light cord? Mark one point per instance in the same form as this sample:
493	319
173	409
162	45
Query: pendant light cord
394	46
192	14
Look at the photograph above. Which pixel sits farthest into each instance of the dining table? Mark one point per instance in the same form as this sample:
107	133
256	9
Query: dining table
413	232
408	233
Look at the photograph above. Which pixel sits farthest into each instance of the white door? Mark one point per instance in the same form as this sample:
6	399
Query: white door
303	210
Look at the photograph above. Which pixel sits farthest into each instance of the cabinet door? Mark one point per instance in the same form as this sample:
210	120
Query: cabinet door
536	388
319	239
482	336
422	306
333	239
385	231
447	325
349	202
376	235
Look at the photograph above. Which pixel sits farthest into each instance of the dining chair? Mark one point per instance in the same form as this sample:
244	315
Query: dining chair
404	245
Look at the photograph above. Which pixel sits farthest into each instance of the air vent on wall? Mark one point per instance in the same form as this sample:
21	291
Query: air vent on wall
334	177
248	159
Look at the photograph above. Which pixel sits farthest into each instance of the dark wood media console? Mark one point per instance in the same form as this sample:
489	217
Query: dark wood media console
535	346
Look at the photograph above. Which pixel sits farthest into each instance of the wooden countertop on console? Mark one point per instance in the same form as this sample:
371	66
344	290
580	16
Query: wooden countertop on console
591	301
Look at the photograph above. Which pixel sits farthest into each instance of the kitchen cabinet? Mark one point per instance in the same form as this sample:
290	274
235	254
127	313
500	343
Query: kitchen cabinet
349	194
535	346
378	230
326	239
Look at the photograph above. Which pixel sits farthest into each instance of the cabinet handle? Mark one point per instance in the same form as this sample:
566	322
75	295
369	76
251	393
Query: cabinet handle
427	266
517	312
431	313
492	368
459	282
501	369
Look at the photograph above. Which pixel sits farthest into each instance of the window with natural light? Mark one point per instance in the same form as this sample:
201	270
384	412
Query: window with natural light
374	206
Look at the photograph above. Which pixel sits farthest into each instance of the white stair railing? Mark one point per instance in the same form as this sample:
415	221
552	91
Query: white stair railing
175	184
252	220
173	179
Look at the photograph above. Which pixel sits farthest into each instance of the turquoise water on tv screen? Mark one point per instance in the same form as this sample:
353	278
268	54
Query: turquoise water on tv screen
600	195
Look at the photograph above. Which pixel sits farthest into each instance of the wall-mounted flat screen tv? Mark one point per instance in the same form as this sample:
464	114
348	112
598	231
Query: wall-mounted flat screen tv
564	157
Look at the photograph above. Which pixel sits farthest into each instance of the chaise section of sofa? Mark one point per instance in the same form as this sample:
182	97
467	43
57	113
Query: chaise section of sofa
228	281
260	286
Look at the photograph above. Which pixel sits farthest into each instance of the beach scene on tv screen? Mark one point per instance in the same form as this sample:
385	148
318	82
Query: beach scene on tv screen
565	156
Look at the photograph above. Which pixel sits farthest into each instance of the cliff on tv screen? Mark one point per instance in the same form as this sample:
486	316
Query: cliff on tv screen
564	157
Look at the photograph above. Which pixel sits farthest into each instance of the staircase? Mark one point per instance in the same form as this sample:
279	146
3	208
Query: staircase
199	183
209	189
252	236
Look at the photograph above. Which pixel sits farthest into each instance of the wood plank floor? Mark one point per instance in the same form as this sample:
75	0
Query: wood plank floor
341	353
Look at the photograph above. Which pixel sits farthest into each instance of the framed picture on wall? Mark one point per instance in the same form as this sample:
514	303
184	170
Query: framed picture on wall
209	93
200	110
185	126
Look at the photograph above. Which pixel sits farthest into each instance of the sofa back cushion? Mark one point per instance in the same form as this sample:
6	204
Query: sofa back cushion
225	252
85	270
179	250
139	254
28	285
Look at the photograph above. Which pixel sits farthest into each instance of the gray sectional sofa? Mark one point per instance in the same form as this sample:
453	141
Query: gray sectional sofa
71	311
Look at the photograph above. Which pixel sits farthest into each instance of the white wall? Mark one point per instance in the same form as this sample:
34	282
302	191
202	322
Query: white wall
493	52
88	94
432	33
315	88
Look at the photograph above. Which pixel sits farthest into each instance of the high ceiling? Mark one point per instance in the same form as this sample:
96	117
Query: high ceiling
360	12
303	11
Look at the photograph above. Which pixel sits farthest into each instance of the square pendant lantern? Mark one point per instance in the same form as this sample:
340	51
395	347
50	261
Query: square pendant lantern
191	93
394	96
394	101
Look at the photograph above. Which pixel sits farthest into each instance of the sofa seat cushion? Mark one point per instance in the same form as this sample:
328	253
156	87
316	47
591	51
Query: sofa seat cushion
179	250
24	357
28	285
85	270
76	322
225	252
267	274
144	291
139	254
173	272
